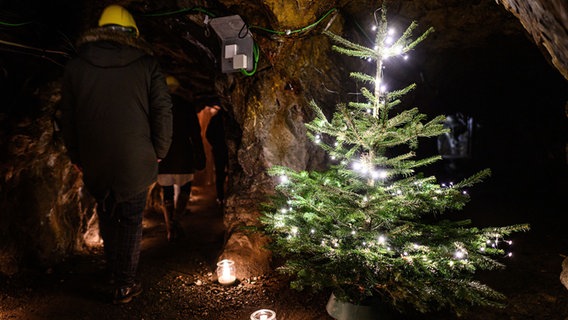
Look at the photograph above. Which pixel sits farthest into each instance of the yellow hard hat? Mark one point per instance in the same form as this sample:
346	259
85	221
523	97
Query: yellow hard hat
172	83
117	15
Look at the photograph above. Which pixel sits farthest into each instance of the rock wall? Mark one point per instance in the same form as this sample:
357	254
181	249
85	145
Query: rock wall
43	211
547	22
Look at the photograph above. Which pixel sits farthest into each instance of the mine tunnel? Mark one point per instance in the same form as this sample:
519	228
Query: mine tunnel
497	69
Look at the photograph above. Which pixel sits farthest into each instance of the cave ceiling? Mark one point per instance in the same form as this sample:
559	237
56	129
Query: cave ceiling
189	49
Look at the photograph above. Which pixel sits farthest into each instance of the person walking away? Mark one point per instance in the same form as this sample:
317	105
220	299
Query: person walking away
215	135
186	155
117	124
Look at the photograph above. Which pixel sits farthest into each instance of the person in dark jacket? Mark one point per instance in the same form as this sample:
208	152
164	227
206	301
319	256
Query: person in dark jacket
186	155
117	124
215	135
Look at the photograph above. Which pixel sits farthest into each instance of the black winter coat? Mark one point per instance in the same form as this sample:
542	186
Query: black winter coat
186	154
116	114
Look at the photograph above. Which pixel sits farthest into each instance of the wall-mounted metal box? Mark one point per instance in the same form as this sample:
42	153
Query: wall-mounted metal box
236	43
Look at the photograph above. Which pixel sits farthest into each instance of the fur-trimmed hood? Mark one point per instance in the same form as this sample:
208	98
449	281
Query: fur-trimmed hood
105	47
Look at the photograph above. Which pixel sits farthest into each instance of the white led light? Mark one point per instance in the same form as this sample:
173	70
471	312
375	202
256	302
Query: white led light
397	50
294	231
357	166
459	254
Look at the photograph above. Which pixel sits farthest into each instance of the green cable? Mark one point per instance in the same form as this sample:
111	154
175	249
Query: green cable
288	32
15	24
255	53
168	13
256	49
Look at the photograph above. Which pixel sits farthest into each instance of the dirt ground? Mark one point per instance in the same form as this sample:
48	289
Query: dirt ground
177	277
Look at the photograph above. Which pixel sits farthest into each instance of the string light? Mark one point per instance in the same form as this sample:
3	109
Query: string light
284	179
397	50
357	165
294	231
459	254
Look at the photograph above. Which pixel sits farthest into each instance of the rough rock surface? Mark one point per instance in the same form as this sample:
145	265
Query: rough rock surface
547	23
266	111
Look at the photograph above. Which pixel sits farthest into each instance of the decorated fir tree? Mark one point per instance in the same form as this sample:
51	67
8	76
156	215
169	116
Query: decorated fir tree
371	225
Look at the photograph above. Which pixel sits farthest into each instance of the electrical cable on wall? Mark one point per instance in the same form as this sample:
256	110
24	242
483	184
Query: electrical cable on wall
179	11
245	71
19	24
290	32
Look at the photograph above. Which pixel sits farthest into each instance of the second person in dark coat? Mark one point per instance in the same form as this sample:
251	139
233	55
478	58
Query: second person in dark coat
186	155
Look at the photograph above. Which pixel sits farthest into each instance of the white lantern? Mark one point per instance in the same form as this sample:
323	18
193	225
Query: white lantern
263	314
226	273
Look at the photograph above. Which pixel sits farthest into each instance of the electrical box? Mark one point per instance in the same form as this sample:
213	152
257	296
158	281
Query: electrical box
236	43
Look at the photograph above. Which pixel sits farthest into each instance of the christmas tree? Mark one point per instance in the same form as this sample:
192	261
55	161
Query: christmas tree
371	225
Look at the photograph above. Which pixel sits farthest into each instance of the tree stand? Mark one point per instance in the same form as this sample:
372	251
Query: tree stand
341	310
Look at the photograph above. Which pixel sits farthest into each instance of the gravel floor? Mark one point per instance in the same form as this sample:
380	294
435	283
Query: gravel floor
178	277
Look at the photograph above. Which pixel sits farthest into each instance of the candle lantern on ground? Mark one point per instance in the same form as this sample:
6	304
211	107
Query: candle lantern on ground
226	273
263	314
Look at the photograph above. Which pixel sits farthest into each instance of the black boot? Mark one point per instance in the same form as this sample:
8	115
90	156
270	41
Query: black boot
180	207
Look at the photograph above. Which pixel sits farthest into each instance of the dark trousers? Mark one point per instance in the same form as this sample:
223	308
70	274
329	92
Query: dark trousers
120	226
